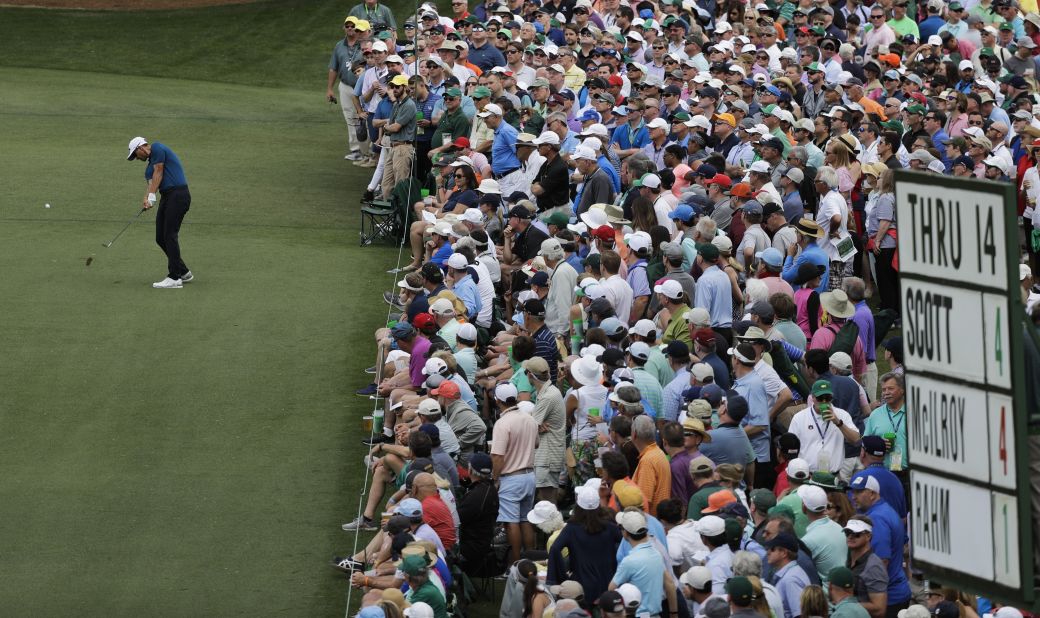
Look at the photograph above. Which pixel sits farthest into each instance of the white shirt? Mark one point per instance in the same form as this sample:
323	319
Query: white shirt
560	298
771	380
486	289
754	237
823	444
832	203
523	177
661	208
619	293
685	546
490	262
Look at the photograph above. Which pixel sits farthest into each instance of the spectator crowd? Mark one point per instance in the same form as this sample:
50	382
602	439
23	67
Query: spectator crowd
644	357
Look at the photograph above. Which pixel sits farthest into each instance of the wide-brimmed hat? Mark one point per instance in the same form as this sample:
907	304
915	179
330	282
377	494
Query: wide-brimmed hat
587	370
808	227
837	304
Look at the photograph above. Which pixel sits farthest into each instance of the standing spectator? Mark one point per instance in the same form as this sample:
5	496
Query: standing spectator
342	74
653	474
550	416
889	422
586	549
887	538
643	567
788	577
871	575
872	458
400	126
823	430
750	386
714	291
374	12
478	513
729	443
514	438
720	557
823	536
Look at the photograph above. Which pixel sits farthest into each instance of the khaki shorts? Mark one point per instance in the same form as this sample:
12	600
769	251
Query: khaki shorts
546	477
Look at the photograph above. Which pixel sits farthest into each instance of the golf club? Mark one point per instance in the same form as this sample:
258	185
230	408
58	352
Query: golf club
128	223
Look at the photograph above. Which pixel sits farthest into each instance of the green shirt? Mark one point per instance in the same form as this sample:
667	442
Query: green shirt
677	327
699	501
646	381
374	15
883	420
451	125
659	367
905	26
801	522
849	607
429	595
826	541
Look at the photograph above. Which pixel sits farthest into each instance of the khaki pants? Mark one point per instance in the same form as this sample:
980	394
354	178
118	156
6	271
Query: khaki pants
346	103
398	167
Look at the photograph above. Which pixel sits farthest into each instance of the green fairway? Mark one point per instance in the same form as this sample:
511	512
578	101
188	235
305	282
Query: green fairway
178	452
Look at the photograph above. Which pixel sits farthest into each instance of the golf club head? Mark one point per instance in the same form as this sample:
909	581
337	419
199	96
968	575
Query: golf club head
106	244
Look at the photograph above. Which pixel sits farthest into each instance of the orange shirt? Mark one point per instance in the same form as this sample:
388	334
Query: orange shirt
654	476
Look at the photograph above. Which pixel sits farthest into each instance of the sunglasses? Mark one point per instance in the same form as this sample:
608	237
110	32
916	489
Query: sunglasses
850	533
877	16
825	398
460	176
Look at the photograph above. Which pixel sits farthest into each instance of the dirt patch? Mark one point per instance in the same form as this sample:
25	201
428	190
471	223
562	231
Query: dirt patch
119	5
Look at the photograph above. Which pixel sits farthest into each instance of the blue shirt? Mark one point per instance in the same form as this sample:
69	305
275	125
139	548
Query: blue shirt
715	293
729	444
656	529
486	56
751	388
887	540
503	149
442	254
672	394
789	582
173	171
721	370
644	569
466	290
812	254
930	26
793	206
891	487
427	107
937	140
627	138
608	167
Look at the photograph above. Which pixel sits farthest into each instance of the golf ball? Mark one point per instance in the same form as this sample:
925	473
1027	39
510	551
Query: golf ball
46	205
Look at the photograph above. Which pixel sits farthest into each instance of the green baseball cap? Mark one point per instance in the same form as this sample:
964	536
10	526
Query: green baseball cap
826	480
814	67
384	35
453	92
413	565
481	92
842	577
763	499
916	109
768	109
822	387
818	31
557	218
740	590
988	51
893	125
708	251
1006	26
783	510
680	117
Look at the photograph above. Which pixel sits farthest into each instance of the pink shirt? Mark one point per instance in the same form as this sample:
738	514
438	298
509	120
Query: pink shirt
514	437
823	339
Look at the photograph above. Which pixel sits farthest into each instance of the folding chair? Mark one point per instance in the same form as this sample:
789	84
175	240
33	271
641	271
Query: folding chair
388	219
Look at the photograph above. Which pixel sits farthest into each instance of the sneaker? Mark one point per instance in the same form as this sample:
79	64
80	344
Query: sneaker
371	369
353	155
168	284
371	389
347	565
392	299
360	524
369	195
188	277
361	161
379	438
369	162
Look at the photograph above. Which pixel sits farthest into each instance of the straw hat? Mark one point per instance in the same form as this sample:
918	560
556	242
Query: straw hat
837	304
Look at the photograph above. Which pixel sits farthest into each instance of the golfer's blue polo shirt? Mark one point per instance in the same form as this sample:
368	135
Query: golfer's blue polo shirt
173	171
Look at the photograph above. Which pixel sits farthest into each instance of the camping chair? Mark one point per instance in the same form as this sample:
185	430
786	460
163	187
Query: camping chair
389	219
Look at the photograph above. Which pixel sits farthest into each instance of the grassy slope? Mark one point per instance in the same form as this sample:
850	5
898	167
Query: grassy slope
176	452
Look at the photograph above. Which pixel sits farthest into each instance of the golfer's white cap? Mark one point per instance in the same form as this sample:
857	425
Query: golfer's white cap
135	143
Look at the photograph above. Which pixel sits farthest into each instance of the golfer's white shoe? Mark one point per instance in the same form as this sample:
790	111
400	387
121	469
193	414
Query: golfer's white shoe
168	283
188	277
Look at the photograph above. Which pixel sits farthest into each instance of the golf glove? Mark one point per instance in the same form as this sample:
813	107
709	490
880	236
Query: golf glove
151	199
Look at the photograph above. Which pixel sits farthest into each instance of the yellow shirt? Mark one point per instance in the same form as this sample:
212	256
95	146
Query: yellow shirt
574	78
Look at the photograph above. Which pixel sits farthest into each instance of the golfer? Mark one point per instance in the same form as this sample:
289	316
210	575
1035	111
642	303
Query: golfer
165	175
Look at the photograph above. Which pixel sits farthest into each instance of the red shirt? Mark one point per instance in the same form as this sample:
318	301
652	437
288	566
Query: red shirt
782	482
437	515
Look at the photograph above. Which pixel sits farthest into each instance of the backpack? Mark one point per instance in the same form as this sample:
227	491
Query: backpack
844	338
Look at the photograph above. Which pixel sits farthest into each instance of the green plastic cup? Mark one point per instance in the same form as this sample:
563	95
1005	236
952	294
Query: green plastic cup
425	193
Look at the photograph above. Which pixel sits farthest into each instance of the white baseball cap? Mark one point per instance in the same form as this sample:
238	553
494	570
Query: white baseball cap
630	595
652	181
814	498
467	332
473	215
586	497
863	482
711	525
491	109
858	525
638	241
581	152
379	46
547	137
505	391
798	469
135	143
670	288
697	578
457	261
702	371
442	306
597	129
658	123
644	327
428	406
759	166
